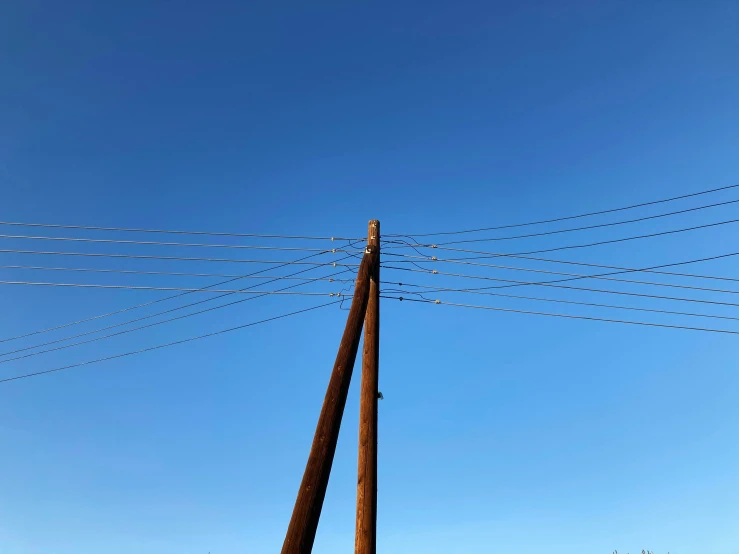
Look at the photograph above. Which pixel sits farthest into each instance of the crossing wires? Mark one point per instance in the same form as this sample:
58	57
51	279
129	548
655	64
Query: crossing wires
625	256
323	268
422	271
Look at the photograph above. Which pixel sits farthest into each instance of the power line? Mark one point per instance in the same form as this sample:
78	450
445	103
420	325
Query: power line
299	260
175	232
568	217
170	273
551	284
167	344
599	243
622	269
588	318
136	287
626	270
586	228
227	293
147	257
598	275
432	289
581	276
88	319
160	243
175	309
142	326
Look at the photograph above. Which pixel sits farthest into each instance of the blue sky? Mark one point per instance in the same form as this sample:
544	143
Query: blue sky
499	431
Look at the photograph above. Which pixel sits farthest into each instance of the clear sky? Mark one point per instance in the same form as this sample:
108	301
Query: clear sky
499	432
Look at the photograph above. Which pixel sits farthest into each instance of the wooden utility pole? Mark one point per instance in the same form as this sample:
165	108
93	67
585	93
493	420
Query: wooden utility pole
304	521
366	531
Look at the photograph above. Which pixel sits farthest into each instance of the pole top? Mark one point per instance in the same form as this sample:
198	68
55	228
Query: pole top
373	232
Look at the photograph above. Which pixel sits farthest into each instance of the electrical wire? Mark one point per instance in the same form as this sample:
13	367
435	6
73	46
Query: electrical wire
147	257
551	284
626	270
92	332
87	333
611	241
601	212
135	287
599	275
171	273
173	232
432	289
159	243
142	326
588	318
130	308
620	268
159	346
581	276
586	228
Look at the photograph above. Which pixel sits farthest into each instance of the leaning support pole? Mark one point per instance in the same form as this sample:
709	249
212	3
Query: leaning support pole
303	524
